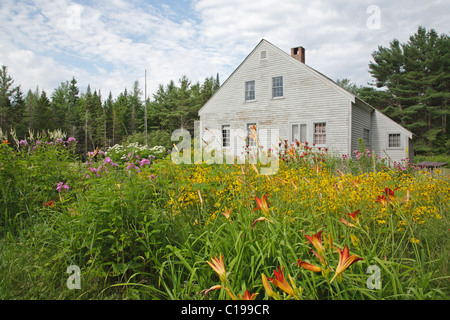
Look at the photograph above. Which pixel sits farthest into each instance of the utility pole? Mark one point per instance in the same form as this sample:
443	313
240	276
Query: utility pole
145	109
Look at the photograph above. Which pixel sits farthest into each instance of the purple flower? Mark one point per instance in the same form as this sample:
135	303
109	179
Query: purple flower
62	185
109	161
144	162
71	139
23	143
59	140
131	165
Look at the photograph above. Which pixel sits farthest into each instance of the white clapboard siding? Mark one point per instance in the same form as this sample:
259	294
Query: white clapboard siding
382	127
309	97
361	119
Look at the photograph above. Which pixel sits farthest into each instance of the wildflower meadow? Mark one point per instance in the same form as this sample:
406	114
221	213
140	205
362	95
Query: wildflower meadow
138	226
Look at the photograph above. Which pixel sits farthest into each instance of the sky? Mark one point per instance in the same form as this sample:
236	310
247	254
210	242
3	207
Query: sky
110	44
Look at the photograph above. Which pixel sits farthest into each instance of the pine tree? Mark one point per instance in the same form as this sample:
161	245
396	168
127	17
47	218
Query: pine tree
43	113
6	91
73	118
18	113
416	74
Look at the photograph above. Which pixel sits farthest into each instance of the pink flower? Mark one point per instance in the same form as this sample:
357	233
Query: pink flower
62	185
145	162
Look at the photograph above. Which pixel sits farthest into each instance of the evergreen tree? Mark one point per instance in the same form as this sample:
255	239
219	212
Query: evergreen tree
60	106
416	75
43	113
108	121
18	113
6	91
30	108
73	117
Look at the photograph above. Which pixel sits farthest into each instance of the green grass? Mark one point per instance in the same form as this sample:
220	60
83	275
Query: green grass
131	244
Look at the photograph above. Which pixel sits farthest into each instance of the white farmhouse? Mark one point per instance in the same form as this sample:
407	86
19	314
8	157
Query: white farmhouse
275	91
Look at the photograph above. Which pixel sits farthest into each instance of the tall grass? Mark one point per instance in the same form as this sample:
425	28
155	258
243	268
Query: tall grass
148	231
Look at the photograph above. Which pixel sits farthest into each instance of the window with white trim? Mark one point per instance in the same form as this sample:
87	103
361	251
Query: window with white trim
250	90
226	138
320	133
394	140
277	87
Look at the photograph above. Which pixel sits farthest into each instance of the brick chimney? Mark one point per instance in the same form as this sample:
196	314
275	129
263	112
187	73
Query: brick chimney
298	53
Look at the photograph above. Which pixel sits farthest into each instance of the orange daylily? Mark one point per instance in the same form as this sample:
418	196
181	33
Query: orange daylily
247	296
353	215
259	219
218	266
345	261
268	287
382	200
390	193
227	213
309	266
388	197
262	204
281	282
49	204
316	241
217	287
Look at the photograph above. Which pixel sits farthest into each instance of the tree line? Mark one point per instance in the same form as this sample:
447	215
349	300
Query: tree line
97	122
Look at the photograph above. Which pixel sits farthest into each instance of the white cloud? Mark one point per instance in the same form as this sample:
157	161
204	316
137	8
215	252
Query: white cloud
108	44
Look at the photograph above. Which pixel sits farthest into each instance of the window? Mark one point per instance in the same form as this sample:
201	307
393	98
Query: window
250	90
263	54
277	87
226	136
251	134
394	140
298	132
366	137
320	133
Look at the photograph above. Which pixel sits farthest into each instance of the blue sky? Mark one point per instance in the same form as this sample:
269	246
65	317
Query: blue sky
109	44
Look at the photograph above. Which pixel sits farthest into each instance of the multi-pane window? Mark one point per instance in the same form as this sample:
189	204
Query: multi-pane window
250	90
394	140
277	87
226	138
366	137
320	133
251	134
